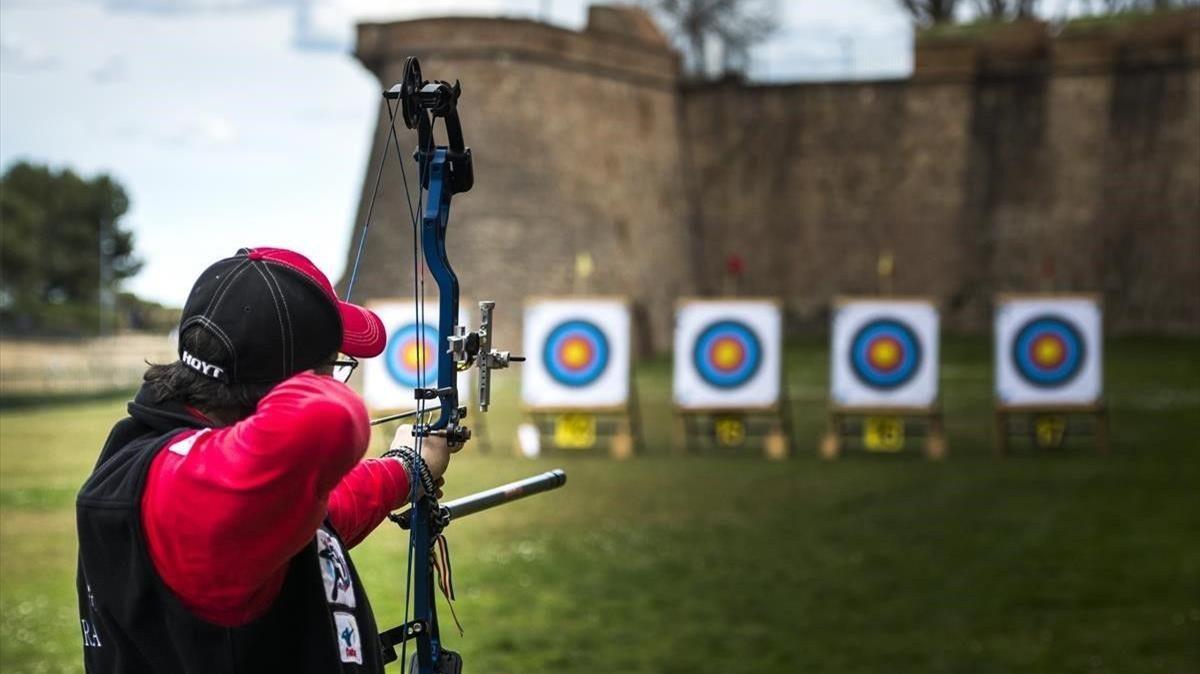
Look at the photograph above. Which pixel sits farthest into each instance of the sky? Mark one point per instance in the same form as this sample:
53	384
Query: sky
239	123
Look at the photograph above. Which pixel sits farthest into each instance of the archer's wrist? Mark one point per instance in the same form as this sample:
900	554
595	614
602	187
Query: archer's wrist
420	478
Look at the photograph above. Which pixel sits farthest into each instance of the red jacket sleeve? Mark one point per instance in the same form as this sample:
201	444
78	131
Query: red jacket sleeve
365	496
225	509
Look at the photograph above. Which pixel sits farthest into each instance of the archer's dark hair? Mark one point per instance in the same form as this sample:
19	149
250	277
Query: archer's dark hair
179	383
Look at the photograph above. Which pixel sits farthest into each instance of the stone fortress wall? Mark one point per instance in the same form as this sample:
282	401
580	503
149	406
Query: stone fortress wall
1015	160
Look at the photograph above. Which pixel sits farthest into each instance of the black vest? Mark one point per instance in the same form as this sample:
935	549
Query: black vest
131	621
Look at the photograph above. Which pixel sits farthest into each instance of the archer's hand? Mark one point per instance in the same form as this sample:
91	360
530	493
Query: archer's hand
434	450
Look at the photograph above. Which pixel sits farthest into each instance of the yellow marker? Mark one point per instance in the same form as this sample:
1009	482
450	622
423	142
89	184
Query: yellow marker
883	434
729	431
575	431
584	265
885	264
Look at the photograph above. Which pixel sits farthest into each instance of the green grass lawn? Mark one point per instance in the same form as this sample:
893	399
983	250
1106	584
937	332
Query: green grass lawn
1051	562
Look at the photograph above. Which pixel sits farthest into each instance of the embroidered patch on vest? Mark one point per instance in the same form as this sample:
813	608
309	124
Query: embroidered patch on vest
348	638
184	446
339	587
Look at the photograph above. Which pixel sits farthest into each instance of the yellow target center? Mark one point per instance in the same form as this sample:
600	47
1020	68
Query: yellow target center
576	354
884	354
1048	351
727	354
412	355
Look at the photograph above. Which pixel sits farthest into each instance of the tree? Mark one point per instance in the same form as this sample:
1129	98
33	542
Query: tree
716	35
930	12
63	250
1117	6
1003	10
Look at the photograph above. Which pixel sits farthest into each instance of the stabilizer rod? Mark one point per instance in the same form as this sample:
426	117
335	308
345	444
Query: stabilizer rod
469	505
506	493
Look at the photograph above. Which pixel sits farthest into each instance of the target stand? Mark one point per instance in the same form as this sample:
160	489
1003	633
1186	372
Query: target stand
884	430
1049	427
578	395
1048	370
614	432
728	431
884	376
727	379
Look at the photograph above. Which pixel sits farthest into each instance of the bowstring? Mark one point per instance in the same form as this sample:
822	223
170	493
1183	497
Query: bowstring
417	218
362	237
419	292
392	137
393	140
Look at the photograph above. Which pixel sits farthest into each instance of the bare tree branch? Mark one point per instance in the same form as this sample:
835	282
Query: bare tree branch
716	35
930	12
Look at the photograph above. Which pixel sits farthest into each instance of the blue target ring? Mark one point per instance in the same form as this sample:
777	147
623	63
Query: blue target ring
576	353
727	354
402	356
885	354
1048	351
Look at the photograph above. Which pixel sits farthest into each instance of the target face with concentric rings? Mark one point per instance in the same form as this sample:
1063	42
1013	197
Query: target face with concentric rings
885	354
409	349
1048	351
576	353
727	354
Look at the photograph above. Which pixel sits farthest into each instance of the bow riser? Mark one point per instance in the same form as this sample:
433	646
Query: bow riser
433	242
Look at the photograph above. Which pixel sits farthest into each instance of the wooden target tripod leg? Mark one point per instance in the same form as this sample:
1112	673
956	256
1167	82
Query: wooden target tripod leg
778	443
622	441
679	439
831	442
775	443
935	437
1100	421
1000	445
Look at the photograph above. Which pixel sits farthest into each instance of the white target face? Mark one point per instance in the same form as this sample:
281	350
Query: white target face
577	353
884	353
1048	350
410	358
727	354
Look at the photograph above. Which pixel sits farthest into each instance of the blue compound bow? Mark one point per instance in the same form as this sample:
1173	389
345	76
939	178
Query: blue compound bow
445	170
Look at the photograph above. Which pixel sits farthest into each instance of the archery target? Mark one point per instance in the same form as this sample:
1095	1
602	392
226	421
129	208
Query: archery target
578	351
885	353
1048	350
727	354
411	355
409	360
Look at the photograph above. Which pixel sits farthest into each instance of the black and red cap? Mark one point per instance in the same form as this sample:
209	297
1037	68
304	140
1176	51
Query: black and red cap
276	315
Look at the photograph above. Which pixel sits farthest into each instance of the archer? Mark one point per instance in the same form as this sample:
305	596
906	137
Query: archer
214	531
